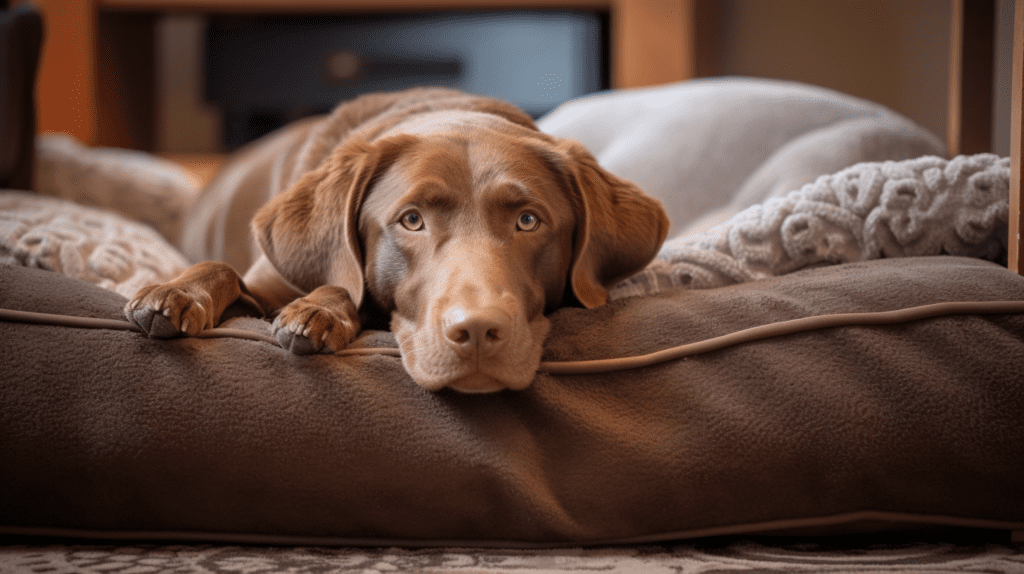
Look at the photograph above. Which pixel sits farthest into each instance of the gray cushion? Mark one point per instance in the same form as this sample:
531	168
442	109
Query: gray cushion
709	148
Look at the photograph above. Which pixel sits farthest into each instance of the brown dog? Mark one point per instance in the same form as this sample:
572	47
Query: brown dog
450	214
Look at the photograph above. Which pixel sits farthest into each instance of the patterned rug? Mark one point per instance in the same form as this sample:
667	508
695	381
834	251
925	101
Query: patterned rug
857	554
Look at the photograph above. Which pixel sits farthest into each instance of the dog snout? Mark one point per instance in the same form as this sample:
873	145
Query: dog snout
476	332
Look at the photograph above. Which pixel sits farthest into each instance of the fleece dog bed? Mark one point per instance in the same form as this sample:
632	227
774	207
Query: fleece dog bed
108	434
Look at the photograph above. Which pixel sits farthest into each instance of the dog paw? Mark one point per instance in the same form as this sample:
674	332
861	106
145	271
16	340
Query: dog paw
165	311
304	327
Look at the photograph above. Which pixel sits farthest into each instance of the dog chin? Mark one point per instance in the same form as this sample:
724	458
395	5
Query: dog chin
470	381
466	378
477	383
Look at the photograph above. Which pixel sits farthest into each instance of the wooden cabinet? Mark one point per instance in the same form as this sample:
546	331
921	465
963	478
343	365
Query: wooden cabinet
96	80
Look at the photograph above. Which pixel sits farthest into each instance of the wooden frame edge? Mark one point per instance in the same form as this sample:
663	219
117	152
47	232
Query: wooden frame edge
1015	245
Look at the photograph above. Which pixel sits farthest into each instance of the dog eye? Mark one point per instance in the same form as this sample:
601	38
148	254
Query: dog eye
412	221
527	222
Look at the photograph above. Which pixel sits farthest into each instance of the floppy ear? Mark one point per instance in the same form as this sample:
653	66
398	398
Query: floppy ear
619	230
310	231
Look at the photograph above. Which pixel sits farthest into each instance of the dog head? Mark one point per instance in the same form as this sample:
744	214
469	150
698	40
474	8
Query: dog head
466	229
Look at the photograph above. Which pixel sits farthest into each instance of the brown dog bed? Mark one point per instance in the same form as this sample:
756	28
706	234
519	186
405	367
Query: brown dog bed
110	434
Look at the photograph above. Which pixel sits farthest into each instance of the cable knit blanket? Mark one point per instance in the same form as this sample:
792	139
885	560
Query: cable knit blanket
924	206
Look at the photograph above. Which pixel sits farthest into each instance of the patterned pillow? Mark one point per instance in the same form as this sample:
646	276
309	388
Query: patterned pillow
95	246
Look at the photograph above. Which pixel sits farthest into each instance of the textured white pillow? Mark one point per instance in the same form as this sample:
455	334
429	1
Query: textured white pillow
918	207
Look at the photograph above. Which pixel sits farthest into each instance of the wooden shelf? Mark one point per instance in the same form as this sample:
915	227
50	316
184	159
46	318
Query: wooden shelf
96	78
334	6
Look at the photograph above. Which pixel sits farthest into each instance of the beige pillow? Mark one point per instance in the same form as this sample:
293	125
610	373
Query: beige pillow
138	185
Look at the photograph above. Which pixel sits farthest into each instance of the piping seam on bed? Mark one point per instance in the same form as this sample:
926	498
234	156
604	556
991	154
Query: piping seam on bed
751	334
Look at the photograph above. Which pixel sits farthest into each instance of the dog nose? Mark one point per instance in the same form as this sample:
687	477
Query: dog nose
478	332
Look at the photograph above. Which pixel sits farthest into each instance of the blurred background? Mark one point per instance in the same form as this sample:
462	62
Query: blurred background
197	78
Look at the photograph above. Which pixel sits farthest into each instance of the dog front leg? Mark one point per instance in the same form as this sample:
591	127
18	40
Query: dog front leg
325	321
189	303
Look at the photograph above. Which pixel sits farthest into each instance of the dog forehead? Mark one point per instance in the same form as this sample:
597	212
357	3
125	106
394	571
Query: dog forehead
482	141
450	122
469	167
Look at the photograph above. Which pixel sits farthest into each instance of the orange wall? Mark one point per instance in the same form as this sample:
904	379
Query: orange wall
895	52
66	53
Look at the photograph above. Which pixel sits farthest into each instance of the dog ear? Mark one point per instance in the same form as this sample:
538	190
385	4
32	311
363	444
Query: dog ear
619	230
309	232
